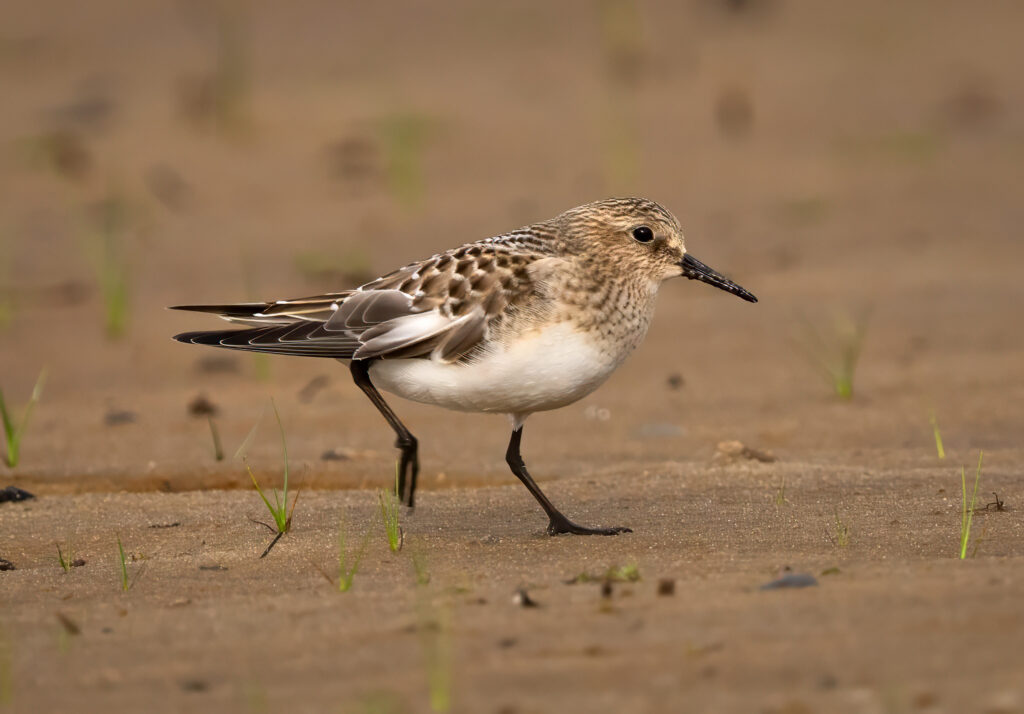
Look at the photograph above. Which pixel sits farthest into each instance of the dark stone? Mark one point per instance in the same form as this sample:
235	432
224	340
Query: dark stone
117	417
13	493
791	580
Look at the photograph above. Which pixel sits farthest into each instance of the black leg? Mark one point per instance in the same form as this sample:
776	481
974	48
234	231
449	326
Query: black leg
405	441
559	523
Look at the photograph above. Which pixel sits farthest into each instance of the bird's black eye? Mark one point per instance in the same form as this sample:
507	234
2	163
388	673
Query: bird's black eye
643	234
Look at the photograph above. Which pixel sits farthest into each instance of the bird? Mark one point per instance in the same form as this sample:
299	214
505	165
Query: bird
527	321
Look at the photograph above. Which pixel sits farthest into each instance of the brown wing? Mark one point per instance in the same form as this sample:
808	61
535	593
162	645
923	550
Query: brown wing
444	306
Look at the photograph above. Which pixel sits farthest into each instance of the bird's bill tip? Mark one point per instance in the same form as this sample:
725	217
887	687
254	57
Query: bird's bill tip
696	270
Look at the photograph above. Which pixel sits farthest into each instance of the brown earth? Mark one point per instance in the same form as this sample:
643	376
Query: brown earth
833	158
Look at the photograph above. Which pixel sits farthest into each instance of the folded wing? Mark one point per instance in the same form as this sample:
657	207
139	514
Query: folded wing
443	307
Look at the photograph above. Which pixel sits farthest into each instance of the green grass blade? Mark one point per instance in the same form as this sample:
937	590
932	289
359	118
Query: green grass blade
37	393
390	509
347	574
279	508
343	583
65	560
6	417
243	449
940	450
963	511
419	565
260	492
967	513
13	432
284	448
218	447
11	453
124	565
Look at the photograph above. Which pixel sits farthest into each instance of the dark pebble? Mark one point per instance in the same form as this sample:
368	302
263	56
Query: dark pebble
118	417
791	580
13	493
217	364
334	455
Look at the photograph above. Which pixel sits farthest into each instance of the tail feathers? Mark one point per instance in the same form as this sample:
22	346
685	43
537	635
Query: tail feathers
304	339
318	308
246	309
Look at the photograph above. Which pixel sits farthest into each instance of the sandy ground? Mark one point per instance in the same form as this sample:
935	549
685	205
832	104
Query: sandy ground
831	158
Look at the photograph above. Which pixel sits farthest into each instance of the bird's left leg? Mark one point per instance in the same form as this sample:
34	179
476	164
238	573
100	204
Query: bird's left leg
405	441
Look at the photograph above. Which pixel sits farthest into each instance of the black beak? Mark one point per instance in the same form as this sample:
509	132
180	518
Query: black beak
696	270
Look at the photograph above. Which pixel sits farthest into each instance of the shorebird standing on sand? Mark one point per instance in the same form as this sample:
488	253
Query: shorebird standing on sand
524	322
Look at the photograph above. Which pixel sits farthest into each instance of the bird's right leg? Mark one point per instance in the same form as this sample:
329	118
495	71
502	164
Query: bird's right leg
409	463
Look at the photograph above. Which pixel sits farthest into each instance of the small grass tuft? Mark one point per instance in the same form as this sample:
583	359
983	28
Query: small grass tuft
836	351
346	571
967	508
110	261
14	432
940	450
66	560
840	531
780	494
390	509
435	628
231	78
404	136
279	510
219	98
623	43
419	564
122	560
629	573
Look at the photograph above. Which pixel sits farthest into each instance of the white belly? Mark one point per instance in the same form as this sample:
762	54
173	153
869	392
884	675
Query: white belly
544	369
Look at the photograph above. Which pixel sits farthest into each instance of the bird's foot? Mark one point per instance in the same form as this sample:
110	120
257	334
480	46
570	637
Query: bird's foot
562	524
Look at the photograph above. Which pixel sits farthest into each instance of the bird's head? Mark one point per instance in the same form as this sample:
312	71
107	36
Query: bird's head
642	237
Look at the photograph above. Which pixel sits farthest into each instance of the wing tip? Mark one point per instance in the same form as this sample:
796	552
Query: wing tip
201	338
236	309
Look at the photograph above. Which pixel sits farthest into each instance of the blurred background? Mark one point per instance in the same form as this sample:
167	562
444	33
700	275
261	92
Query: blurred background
858	166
